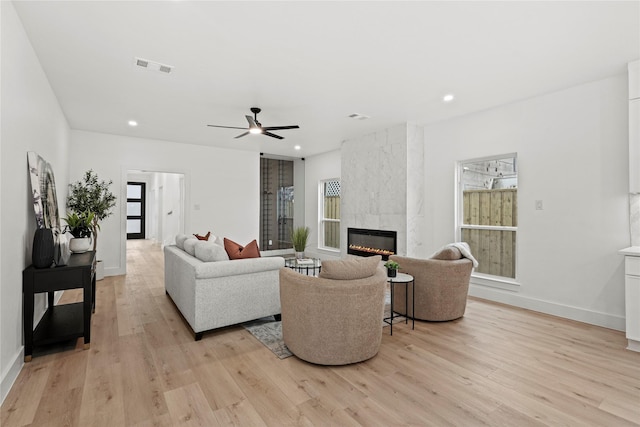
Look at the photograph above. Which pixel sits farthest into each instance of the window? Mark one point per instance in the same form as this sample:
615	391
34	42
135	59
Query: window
487	213
330	214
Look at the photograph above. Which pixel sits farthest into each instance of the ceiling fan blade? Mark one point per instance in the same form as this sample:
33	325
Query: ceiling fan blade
281	127
242	134
252	123
226	127
272	135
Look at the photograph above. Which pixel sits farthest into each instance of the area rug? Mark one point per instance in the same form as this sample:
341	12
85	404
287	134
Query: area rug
269	331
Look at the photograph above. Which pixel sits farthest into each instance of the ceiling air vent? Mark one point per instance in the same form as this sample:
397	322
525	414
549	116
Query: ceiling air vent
152	65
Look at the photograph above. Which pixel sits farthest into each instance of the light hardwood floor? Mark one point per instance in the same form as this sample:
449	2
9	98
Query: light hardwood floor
498	365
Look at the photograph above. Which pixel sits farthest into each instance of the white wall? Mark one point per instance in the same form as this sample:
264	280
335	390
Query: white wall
572	154
318	168
171	209
31	121
221	185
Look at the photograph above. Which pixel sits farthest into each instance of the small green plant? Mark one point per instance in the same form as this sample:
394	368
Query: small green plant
392	265
299	238
79	225
92	195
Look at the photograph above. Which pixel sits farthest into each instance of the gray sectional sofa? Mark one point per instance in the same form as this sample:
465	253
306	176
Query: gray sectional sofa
211	291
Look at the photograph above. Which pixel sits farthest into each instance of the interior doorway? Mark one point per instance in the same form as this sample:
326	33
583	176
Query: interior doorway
162	205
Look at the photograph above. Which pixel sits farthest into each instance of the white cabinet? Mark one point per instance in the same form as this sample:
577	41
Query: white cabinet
634	126
632	296
634	146
634	79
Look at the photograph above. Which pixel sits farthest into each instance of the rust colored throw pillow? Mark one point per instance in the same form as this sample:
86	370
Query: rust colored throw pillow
205	237
236	251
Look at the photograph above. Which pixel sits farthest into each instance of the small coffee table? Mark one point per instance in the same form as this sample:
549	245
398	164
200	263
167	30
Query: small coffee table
404	279
310	267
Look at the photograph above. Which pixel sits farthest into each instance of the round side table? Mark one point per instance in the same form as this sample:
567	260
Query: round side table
403	279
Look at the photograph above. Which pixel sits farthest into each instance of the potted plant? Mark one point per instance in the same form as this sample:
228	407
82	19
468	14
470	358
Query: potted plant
299	238
392	268
80	227
92	195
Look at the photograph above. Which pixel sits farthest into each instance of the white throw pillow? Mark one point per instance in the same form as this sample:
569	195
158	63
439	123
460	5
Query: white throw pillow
180	239
210	252
190	246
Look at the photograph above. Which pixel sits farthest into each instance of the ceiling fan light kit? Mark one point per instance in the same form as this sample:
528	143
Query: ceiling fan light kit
255	127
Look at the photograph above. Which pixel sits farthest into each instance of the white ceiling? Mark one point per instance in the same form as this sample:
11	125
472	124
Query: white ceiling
314	63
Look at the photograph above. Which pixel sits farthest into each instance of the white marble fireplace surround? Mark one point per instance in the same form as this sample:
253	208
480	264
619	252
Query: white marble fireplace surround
382	180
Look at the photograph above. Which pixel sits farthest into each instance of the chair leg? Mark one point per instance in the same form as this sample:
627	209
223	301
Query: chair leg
278	317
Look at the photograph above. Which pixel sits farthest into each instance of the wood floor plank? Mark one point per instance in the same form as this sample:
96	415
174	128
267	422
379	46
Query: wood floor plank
188	407
140	373
103	397
20	408
496	366
239	414
218	385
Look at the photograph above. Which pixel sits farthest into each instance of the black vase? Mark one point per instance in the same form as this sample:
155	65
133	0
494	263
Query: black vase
43	247
391	272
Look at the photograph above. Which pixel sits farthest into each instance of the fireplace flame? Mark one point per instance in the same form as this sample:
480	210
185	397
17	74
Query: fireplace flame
371	250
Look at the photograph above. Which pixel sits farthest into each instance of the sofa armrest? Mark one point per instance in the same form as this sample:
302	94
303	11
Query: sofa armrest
235	267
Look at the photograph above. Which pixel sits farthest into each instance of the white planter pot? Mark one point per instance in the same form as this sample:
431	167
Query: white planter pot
80	245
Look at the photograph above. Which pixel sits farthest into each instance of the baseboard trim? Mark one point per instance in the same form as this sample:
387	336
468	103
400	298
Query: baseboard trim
10	376
114	271
579	314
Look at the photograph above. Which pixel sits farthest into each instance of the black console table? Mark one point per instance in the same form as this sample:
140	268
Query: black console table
65	321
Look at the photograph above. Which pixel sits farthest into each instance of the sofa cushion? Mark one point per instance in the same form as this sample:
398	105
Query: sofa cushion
350	268
237	251
190	246
448	253
180	239
210	252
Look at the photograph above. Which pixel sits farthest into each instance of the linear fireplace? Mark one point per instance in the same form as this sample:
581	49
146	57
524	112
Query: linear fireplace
364	242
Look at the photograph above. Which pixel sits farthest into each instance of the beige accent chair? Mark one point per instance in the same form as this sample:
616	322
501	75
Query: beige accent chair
334	319
442	285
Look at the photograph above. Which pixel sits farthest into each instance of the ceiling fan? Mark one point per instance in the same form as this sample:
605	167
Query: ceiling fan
256	128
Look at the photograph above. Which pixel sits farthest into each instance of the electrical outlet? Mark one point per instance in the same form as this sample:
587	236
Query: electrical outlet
539	206
270	242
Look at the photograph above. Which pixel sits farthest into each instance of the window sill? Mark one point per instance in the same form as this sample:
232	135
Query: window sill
329	250
495	282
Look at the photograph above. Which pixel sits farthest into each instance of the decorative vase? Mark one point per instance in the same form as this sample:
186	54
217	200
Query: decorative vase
299	255
79	245
392	272
43	248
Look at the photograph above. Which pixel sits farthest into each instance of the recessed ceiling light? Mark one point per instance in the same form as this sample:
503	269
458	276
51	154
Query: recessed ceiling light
448	97
297	147
133	123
